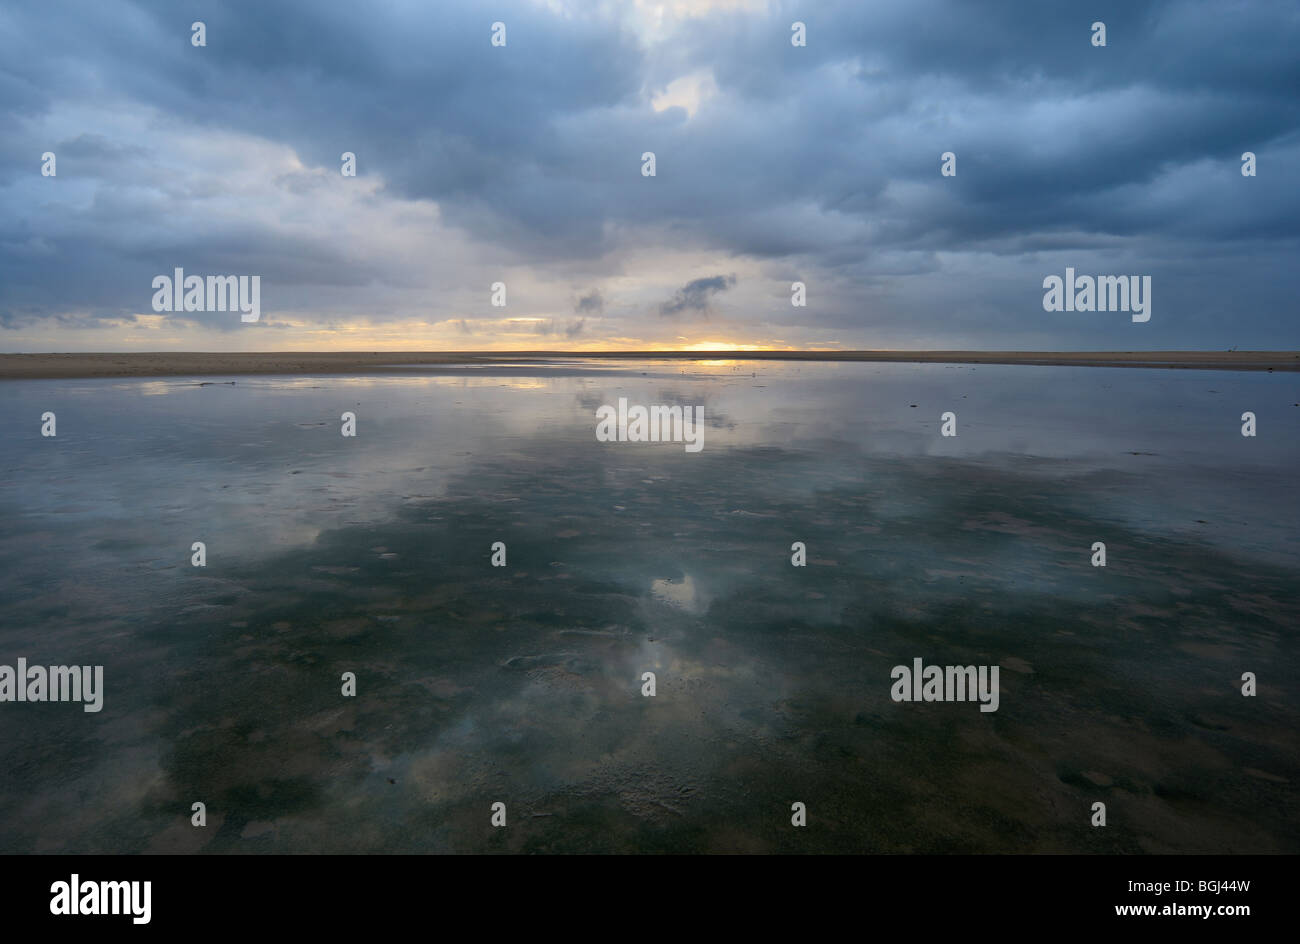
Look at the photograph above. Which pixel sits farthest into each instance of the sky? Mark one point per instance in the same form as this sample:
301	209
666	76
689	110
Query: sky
522	164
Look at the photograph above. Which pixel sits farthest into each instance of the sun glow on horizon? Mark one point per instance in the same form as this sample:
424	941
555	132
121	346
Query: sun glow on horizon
721	346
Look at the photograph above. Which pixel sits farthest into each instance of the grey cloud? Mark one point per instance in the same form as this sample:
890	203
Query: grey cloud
824	157
695	295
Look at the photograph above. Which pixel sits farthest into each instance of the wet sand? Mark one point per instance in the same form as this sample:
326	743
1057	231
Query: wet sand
189	363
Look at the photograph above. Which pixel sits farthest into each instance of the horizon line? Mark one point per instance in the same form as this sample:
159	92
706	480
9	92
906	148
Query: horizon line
68	365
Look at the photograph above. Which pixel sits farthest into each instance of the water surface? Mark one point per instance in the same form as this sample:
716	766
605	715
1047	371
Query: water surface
522	684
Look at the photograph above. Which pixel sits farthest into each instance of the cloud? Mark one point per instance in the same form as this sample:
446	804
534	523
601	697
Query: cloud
477	163
695	295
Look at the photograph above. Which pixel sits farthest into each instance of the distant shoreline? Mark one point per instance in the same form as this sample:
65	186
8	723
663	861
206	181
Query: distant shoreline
189	363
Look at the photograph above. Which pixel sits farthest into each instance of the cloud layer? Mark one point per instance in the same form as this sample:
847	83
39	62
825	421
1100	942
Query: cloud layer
774	163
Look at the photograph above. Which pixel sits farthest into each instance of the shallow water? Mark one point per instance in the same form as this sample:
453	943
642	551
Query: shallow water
522	684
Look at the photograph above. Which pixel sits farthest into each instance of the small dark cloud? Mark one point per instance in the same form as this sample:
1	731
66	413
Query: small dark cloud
592	304
554	328
694	296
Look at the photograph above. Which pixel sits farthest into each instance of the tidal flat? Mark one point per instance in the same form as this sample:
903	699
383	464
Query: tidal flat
523	684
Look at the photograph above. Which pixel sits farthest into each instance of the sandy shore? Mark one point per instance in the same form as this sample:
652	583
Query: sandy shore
179	363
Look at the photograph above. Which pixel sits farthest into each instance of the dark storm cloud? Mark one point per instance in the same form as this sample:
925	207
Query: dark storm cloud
826	156
695	295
